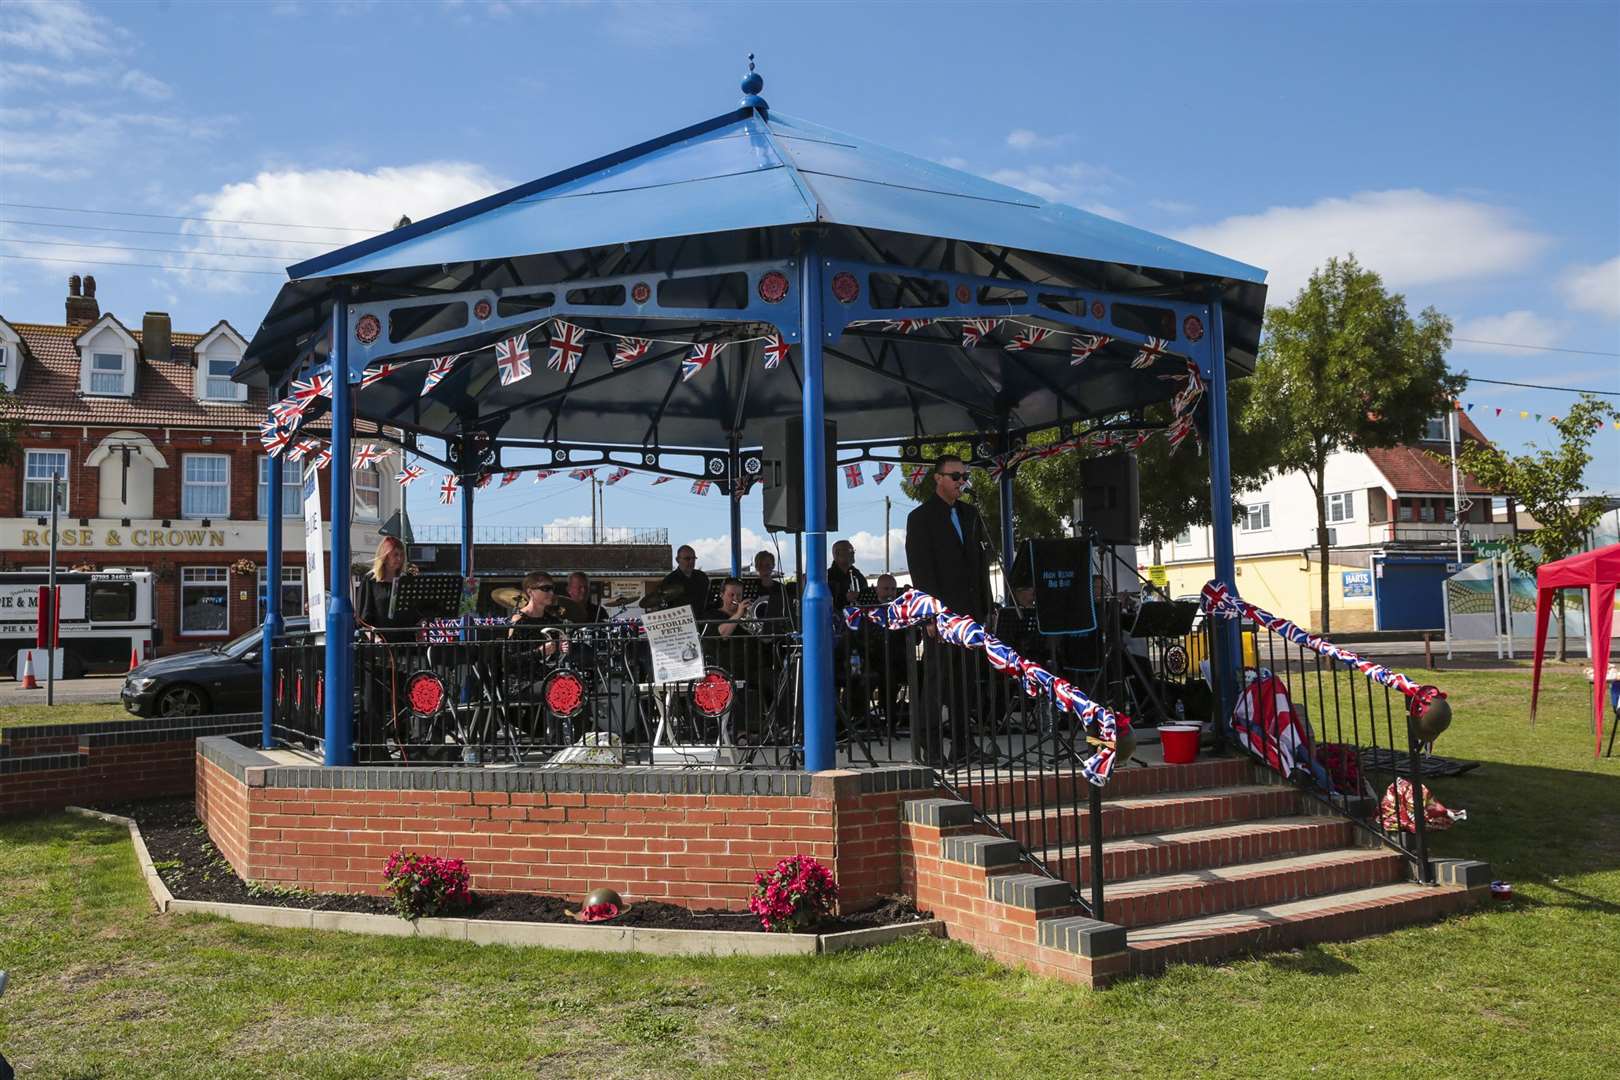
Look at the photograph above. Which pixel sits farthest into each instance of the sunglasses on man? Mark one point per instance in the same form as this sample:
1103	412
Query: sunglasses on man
959	477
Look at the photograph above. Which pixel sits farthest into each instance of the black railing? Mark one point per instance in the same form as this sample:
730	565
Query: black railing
1360	740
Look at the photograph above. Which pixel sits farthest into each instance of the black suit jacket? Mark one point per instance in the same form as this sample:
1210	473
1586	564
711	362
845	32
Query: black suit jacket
956	572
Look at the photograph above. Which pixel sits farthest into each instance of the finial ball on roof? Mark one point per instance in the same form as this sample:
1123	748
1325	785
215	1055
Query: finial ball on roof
752	84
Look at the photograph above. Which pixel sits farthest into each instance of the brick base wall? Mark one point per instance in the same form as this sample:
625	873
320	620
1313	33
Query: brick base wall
48	767
695	839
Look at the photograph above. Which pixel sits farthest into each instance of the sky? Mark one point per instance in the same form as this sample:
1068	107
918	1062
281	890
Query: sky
1467	152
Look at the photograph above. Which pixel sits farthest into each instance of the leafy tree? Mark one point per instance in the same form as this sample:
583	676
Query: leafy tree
1546	483
1344	367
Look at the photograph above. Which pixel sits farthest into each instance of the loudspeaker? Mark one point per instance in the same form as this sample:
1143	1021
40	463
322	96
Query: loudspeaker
1110	499
782	461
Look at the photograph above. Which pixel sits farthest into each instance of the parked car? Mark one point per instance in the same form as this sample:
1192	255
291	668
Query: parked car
223	679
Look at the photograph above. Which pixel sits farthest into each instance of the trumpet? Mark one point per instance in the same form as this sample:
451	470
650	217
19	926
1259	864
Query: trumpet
756	611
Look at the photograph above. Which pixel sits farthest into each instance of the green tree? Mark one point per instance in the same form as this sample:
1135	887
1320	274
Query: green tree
1546	483
1344	367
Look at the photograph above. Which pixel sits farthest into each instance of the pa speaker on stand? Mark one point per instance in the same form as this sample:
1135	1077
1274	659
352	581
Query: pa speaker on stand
782	458
1110	500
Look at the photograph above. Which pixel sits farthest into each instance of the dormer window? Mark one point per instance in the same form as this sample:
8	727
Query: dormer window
107	359
1436	430
108	373
218	353
11	356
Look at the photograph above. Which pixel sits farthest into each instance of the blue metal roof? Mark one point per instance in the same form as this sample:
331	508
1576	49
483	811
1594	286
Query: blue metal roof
744	171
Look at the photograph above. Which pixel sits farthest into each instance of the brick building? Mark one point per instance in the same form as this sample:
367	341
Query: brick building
162	466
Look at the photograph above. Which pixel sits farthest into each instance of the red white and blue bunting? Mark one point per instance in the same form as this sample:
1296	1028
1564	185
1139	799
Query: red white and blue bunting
916	606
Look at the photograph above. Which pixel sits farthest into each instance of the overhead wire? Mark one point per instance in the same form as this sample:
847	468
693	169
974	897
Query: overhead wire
1539	386
185	217
327	244
1536	348
123	247
142	266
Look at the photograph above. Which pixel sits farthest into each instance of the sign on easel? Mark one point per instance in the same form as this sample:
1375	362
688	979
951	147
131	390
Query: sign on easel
672	636
314	560
1060	570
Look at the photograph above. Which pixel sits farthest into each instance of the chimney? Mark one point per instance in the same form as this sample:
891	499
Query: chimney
82	309
155	335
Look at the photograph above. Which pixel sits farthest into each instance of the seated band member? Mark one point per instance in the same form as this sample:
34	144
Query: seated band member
689	579
882	661
844	581
770	589
582	607
540	615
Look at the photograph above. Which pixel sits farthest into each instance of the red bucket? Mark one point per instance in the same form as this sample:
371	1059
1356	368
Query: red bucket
1180	743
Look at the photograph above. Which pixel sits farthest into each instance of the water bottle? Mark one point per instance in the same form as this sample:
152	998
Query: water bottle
1181	712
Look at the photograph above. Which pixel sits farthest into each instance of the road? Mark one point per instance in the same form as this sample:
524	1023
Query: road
85	691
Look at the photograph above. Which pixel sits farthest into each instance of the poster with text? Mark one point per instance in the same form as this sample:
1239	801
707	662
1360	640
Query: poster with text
672	635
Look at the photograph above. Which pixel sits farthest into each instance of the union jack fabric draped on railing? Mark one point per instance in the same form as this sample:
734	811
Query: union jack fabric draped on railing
915	606
1220	599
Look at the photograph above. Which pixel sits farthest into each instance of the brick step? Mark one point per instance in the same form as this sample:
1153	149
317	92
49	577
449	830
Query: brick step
1146	901
1278	926
1194	849
1065	785
1048	826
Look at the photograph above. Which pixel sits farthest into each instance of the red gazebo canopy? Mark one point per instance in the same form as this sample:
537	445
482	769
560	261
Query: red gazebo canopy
1598	572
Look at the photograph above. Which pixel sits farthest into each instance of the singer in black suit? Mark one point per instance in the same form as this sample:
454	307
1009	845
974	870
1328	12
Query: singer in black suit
948	554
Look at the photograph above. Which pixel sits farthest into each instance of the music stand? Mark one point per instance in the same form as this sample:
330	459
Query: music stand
430	596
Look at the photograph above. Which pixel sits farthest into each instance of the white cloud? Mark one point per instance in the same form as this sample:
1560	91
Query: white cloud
60	28
714	552
139	82
350	203
1512	327
1410	237
1024	139
21	75
1076	183
869	551
1595	288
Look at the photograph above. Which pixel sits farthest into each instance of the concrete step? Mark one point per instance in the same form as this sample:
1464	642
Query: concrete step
1335	917
1171	897
1004	791
1048	826
1193	849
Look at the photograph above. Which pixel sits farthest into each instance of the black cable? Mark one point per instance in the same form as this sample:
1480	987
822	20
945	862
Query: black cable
144	266
154	251
183	217
1536	348
325	244
1539	386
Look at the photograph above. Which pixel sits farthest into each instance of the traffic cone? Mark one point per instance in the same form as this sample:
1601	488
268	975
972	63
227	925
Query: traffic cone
28	680
134	658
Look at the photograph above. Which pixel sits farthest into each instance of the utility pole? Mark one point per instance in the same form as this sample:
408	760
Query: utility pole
1456	485
50	585
887	569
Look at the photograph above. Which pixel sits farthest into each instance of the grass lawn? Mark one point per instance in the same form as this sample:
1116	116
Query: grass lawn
64	713
102	987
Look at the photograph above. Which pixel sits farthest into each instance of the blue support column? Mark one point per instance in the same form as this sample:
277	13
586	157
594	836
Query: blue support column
467	484
273	623
339	602
734	468
1007	540
1226	644
816	609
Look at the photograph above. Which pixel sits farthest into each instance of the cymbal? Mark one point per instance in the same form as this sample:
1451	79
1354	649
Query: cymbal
508	596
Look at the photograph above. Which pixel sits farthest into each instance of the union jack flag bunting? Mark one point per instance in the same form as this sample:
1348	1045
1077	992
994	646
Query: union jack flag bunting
906	326
368	454
304	446
1141	440
278	442
617	474
662	480
975	330
702	356
582	474
377	374
567	346
629	350
776	350
447	488
307	390
1081	346
544	474
883	472
324	458
1027	338
508	477
852	475
484	479
742	487
438	370
1150	352
409	475
268	426
512	358
701	487
288	413
916	474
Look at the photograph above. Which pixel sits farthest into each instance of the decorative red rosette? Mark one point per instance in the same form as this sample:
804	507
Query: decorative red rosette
845	287
367	329
712	694
425	692
565	694
773	288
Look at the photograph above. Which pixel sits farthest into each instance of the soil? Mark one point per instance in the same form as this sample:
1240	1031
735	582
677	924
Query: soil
193	869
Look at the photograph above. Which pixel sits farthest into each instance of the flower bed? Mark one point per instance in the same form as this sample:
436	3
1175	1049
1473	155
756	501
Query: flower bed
193	869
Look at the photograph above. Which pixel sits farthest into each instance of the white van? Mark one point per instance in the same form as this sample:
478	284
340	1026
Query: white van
106	615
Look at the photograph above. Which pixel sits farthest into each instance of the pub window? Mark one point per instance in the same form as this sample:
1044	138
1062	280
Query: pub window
38	468
205	599
206	491
292	592
292	487
367	493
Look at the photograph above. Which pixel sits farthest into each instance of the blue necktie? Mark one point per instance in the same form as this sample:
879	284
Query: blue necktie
956	521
